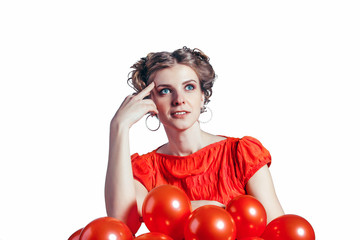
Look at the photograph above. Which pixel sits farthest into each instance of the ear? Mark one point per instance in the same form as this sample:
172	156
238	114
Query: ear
202	99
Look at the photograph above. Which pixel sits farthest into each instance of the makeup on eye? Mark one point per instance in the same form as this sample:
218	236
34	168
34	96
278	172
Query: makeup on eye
190	87
164	89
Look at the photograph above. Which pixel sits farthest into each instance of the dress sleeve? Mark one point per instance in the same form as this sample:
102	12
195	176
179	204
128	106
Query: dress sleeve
252	156
143	170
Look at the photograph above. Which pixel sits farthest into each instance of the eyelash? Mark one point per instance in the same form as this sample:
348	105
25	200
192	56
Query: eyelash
192	87
162	90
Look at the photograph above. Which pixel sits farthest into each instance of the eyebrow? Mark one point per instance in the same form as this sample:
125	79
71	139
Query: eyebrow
184	83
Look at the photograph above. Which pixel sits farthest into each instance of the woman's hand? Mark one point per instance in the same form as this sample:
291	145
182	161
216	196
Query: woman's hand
199	203
134	107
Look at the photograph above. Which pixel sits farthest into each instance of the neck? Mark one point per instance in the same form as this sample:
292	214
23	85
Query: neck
183	143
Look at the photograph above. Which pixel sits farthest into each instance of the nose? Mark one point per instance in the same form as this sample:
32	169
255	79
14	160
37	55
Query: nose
178	99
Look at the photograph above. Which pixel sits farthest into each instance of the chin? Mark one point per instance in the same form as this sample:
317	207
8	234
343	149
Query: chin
183	126
179	124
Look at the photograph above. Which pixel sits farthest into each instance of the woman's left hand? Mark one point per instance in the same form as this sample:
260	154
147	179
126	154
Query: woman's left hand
199	203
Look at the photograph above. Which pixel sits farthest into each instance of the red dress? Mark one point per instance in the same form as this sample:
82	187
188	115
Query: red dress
217	172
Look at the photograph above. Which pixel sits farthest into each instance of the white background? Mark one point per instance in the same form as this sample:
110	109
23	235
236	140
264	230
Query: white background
288	74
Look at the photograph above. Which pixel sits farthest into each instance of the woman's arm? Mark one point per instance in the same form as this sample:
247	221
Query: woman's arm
121	192
199	203
261	186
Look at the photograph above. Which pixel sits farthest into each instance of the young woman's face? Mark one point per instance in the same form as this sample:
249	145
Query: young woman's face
178	96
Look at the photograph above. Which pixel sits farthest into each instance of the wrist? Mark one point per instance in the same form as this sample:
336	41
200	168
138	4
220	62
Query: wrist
118	126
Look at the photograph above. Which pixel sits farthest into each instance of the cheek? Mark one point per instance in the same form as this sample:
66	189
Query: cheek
200	101
160	104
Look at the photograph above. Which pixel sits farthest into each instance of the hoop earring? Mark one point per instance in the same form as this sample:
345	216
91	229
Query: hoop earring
146	123
203	110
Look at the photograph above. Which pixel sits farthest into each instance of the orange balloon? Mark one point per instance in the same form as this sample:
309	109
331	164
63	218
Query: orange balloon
166	209
153	236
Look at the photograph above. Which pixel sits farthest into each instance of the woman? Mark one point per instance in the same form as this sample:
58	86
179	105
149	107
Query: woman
211	169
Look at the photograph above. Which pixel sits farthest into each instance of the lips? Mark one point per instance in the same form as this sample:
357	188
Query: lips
179	114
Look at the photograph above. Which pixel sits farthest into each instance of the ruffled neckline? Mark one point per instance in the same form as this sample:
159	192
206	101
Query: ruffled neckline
194	164
200	151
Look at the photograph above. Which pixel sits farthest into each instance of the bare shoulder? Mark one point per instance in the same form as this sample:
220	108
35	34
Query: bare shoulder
211	138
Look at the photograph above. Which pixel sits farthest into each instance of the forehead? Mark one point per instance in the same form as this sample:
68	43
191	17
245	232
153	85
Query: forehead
177	74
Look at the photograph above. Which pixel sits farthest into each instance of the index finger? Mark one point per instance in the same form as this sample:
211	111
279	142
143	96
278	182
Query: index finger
146	91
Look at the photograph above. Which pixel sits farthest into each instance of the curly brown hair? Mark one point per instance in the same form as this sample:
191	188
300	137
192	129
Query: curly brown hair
144	69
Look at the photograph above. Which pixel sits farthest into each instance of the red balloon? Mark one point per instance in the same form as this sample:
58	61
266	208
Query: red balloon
75	235
249	216
210	223
133	219
106	228
166	209
251	238
153	236
289	226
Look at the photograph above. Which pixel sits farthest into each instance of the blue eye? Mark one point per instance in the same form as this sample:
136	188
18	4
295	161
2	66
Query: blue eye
189	87
164	91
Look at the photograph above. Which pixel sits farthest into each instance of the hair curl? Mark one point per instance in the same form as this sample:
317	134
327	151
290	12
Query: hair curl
144	69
